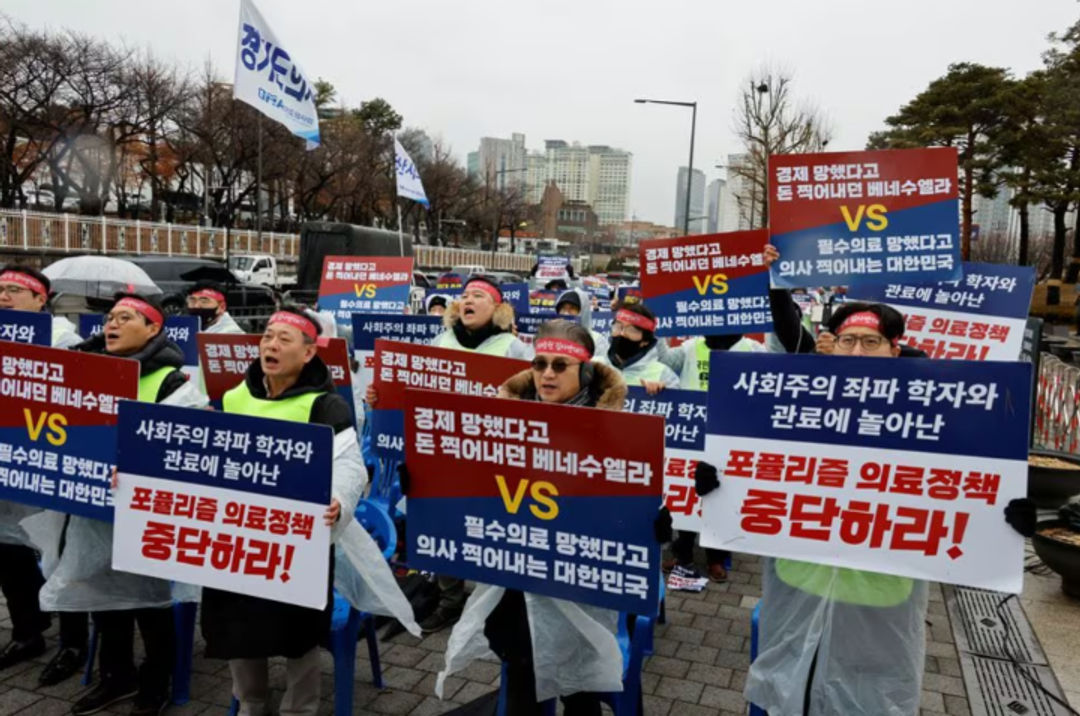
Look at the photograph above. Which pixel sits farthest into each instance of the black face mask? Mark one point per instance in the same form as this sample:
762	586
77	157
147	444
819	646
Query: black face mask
206	316
624	347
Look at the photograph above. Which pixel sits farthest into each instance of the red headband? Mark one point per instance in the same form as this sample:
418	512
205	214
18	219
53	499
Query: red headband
304	325
137	304
486	288
862	319
562	347
635	319
211	294
25	280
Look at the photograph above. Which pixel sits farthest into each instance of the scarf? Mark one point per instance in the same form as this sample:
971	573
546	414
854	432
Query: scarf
473	339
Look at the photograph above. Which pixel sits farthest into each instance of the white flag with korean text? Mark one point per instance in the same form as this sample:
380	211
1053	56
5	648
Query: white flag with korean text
408	179
270	80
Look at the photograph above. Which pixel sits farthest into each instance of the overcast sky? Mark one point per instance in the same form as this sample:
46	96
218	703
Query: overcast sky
556	69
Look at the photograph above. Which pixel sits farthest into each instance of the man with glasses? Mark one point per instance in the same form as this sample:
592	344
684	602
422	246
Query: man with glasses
634	350
206	300
84	579
25	289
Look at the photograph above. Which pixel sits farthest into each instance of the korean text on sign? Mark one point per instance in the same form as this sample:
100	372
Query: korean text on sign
902	466
367	328
544	498
364	284
980	317
58	416
26	327
702	285
890	215
684	415
225	501
400	366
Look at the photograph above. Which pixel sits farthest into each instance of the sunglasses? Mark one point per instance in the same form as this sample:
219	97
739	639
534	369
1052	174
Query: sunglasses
559	365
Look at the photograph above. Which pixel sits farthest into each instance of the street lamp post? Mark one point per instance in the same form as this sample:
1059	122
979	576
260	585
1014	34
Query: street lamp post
690	168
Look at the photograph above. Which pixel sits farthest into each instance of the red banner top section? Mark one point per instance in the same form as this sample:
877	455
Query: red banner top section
84	387
807	190
350	274
407	365
224	359
685	262
465	446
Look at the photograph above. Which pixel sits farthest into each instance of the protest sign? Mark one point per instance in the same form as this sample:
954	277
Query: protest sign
601	321
58	426
629	294
548	499
551	266
894	465
704	285
403	365
367	328
889	214
980	317
517	295
225	358
683	412
181	330
26	327
450	282
364	284
542	300
226	501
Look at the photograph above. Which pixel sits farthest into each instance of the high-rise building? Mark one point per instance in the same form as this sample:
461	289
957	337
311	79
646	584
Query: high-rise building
697	201
597	175
714	195
738	202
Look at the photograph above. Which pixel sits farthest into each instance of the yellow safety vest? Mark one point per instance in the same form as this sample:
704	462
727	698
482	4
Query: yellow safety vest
497	345
850	586
150	384
295	408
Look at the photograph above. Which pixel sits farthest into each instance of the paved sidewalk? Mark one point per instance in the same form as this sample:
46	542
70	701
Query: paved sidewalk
699	666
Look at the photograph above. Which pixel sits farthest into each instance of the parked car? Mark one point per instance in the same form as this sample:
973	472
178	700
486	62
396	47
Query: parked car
262	269
249	303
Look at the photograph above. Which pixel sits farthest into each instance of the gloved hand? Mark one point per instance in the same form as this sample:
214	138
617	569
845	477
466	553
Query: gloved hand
1021	516
705	479
662	528
403	479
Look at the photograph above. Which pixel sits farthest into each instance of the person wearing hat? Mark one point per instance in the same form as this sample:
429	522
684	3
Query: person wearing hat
288	382
482	322
634	349
837	640
84	579
206	300
435	305
577	304
26	289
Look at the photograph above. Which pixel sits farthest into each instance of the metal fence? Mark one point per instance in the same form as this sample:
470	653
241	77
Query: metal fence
1057	405
39	232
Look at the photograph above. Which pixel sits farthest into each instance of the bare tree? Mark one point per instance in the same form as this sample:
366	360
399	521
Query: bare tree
770	121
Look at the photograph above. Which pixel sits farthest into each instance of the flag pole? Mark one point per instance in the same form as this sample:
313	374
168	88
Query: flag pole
258	186
400	234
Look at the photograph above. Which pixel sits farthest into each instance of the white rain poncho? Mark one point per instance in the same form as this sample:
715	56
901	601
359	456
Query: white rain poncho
869	654
224	324
83	579
574	646
361	573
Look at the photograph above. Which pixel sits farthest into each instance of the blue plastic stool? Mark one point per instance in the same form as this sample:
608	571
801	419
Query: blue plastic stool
375	518
184	624
754	616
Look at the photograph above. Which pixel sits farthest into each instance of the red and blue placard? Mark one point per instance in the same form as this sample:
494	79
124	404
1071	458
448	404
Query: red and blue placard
58	426
367	328
222	500
980	317
895	465
364	284
544	498
404	365
705	285
26	327
889	214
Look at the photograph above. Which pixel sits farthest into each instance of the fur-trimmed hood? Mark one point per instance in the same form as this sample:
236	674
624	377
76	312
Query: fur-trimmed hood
503	318
608	386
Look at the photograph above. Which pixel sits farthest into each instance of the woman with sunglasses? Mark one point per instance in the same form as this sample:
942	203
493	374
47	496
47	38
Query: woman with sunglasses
837	640
635	351
574	653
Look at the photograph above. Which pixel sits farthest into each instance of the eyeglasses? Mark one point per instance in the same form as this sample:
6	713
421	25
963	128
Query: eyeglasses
559	365
12	290
119	318
869	342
